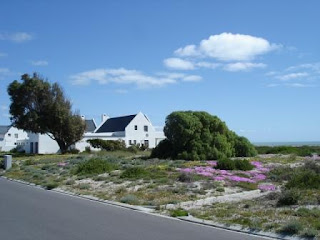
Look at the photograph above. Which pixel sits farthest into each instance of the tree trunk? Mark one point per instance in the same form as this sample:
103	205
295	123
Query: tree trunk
63	146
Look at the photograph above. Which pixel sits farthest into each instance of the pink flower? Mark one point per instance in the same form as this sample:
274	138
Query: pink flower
212	163
267	187
220	178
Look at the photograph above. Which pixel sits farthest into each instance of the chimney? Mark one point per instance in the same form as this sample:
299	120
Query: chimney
83	117
104	117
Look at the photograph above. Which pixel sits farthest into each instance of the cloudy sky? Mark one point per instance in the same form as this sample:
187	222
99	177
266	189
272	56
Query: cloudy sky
255	64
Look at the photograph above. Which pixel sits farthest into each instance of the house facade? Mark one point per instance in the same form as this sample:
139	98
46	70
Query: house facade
11	137
132	129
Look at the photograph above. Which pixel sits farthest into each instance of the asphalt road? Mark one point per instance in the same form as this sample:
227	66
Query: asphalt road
27	213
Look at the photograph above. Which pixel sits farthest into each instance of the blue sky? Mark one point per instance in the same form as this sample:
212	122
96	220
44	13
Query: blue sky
255	64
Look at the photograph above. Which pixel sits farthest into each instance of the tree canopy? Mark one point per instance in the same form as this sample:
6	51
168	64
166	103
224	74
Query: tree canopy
193	135
40	107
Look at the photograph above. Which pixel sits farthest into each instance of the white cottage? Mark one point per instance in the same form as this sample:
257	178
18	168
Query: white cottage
132	129
10	138
43	144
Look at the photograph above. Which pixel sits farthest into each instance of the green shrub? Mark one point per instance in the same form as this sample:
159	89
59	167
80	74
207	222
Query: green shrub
134	173
237	164
289	197
280	174
70	182
129	199
51	185
184	177
299	151
178	213
304	179
73	151
310	233
94	166
108	145
133	149
293	227
87	149
243	165
226	164
195	135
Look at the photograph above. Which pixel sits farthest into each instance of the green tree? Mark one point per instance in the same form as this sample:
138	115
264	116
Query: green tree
40	107
196	135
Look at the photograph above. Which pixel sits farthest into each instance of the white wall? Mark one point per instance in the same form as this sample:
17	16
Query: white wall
140	135
46	145
11	138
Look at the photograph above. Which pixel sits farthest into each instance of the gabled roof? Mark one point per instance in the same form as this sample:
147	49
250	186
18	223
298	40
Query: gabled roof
4	129
117	124
90	125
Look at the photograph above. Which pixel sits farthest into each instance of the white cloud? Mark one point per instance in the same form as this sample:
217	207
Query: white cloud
120	76
311	66
299	85
291	76
229	47
208	65
39	63
178	63
16	37
243	66
192	78
187	51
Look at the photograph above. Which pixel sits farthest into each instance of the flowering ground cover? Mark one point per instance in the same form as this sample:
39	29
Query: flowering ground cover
255	176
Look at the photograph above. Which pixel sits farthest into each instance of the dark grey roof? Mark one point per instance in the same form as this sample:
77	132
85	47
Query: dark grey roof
117	124
90	125
4	129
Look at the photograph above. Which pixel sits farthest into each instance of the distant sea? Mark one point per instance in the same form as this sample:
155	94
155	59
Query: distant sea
296	144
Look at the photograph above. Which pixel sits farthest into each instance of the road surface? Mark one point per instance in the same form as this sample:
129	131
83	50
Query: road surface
28	212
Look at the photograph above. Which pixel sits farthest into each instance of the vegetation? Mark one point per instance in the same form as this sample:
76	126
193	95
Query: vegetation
199	136
41	107
299	151
237	164
108	145
94	166
178	213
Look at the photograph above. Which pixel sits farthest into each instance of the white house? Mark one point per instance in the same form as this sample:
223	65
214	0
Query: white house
132	129
10	137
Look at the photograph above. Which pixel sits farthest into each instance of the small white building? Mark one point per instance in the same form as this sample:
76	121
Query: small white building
132	129
43	144
11	137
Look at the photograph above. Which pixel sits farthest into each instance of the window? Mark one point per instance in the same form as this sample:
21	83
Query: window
16	135
134	142
146	128
9	134
135	127
130	142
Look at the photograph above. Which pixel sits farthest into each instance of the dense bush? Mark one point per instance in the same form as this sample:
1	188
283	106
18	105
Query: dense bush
94	166
108	145
226	164
291	228
133	173
243	165
304	179
300	151
289	197
237	164
199	136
